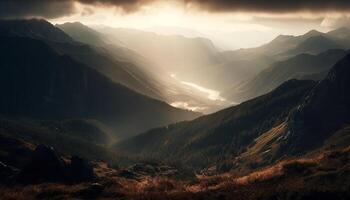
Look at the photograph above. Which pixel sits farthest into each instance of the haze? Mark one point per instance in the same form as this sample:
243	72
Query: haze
224	28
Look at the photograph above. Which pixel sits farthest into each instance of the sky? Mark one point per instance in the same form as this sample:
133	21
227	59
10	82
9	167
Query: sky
230	24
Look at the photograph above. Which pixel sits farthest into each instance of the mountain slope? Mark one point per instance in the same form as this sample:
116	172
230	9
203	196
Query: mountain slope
34	28
299	67
38	83
325	110
320	121
83	34
314	45
188	58
120	71
297	118
205	140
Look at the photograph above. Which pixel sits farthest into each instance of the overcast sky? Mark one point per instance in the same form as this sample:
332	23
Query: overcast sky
230	23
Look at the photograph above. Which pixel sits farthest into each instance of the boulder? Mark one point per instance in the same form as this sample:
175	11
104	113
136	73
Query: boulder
128	174
44	165
81	169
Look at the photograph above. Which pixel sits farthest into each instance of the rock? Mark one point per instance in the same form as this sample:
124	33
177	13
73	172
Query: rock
81	169
144	169
6	172
128	174
45	165
92	191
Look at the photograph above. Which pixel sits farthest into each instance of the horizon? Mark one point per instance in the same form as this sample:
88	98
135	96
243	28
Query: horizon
222	22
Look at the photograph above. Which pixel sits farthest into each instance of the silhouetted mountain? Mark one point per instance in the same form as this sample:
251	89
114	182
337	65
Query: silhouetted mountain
120	71
38	83
34	28
299	67
205	140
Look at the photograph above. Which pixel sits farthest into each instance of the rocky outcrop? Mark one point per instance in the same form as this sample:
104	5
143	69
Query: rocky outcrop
81	169
148	169
45	165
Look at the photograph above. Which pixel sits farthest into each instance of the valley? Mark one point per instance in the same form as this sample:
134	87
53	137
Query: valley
154	100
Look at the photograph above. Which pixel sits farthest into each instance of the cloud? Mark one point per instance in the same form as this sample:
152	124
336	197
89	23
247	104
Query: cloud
268	6
57	8
35	8
336	22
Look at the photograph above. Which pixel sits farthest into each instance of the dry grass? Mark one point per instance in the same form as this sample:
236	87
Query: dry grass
289	175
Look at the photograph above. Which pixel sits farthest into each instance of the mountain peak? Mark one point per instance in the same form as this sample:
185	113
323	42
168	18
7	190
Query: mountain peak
313	33
72	24
282	37
36	28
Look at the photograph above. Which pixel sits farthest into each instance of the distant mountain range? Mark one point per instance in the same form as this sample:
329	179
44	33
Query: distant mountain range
307	56
302	67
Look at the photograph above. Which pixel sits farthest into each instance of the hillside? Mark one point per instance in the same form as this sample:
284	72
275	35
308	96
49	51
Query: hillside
205	140
291	120
320	120
315	45
83	34
121	71
36	82
303	67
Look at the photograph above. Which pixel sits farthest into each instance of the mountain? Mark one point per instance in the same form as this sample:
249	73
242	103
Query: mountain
38	83
121	71
281	44
296	118
34	28
187	58
314	45
82	33
207	139
299	67
156	82
341	34
314	42
319	122
324	111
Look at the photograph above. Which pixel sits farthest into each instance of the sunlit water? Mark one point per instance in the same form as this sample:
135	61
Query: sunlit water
209	95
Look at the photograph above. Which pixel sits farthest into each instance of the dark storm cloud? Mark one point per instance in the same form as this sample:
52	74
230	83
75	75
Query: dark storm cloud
241	5
58	8
275	6
35	8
